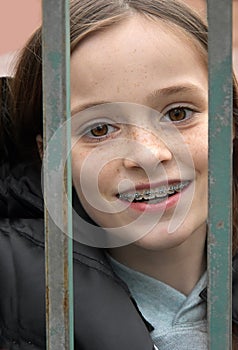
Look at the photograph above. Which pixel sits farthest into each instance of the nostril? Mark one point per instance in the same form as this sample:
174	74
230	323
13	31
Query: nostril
130	163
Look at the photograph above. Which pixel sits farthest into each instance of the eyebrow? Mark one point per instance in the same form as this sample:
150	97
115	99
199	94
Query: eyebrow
80	108
177	89
160	93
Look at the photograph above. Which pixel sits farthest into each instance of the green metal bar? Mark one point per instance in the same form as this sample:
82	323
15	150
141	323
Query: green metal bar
57	194
220	174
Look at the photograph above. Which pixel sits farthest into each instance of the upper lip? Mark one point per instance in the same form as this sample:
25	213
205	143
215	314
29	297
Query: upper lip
146	186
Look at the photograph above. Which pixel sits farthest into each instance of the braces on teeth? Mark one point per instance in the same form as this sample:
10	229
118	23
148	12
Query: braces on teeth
153	194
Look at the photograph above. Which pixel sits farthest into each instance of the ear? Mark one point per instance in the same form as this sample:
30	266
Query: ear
39	142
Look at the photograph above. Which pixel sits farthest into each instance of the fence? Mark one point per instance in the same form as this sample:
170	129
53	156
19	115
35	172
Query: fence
59	274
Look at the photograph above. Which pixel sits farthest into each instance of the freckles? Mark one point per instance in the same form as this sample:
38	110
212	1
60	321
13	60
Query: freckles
78	155
144	137
200	158
77	158
198	147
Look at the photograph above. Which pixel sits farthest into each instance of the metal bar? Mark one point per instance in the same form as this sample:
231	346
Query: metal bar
220	174
57	189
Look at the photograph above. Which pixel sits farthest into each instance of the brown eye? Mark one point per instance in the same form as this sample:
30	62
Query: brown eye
177	114
100	130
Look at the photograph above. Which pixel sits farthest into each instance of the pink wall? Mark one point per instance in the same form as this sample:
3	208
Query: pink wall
18	19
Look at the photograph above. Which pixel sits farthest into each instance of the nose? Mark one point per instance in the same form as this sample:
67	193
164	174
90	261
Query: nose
145	149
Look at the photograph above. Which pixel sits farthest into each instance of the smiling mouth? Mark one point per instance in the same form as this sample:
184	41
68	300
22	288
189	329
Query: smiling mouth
155	195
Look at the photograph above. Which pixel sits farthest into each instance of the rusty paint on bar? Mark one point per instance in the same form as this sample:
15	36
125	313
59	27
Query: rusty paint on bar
220	174
58	227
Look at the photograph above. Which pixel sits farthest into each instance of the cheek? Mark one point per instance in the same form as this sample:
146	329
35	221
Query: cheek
198	146
109	177
78	159
99	173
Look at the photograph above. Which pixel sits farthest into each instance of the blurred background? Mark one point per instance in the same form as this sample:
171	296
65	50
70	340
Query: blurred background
19	19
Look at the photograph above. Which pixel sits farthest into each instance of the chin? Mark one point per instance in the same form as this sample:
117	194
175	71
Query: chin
160	238
150	242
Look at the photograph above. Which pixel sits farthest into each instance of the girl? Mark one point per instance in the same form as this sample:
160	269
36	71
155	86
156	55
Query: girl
139	163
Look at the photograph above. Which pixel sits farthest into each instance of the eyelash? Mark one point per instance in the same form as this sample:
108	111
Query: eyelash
186	119
110	129
181	108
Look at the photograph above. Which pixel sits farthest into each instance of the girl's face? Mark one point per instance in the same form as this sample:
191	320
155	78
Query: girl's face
139	152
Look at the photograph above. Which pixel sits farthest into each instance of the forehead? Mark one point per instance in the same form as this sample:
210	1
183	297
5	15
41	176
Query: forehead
127	56
136	29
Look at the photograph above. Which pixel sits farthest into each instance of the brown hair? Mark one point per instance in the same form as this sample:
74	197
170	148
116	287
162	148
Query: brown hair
87	17
5	121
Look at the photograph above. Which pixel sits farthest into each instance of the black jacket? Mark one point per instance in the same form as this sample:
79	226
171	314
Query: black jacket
106	316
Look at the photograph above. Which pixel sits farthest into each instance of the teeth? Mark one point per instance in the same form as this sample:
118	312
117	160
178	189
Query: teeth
148	195
180	187
151	196
138	196
127	196
160	192
171	190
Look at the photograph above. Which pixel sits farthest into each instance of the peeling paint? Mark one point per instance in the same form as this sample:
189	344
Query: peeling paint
220	174
59	270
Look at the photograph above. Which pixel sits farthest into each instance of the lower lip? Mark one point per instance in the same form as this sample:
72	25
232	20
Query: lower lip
166	204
